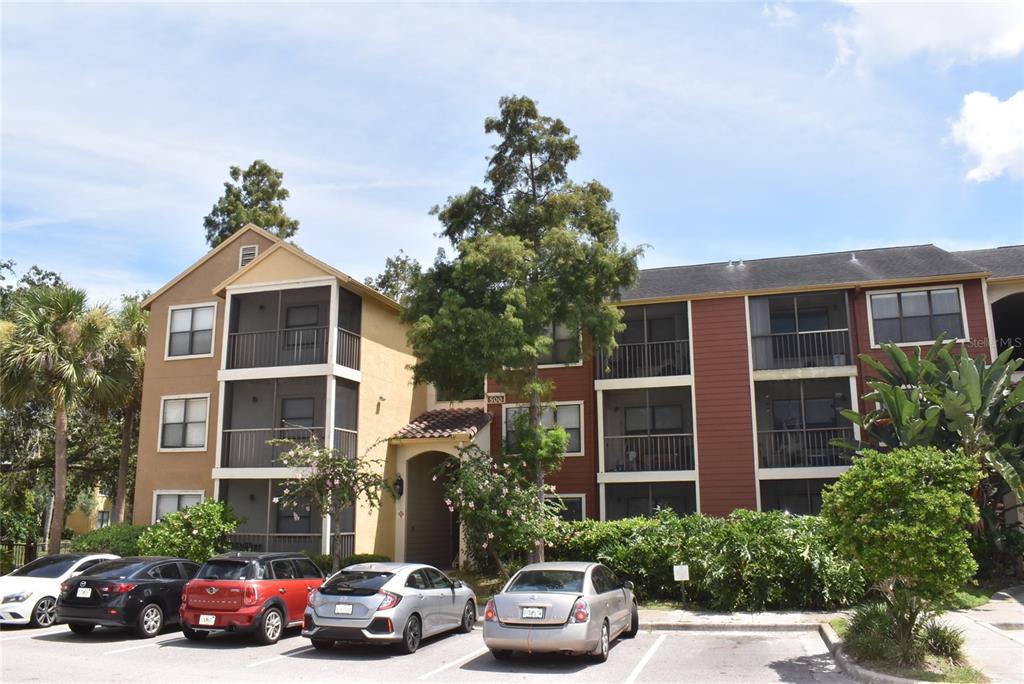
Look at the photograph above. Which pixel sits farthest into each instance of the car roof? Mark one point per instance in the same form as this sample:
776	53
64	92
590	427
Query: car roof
577	566
257	555
392	566
150	559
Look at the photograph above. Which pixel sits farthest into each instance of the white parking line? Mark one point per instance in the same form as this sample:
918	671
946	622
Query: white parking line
646	659
149	645
283	655
457	661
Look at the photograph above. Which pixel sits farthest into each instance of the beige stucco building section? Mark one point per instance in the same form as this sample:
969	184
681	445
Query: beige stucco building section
278	266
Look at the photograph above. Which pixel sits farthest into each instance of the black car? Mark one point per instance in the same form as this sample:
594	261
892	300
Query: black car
139	592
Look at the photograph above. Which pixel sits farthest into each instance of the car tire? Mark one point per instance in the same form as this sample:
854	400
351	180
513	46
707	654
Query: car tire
270	627
411	635
44	613
322	644
634	623
193	635
81	628
468	618
604	645
502	655
149	622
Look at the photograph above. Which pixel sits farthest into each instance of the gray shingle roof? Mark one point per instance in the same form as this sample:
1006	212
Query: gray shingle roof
782	273
444	423
1004	262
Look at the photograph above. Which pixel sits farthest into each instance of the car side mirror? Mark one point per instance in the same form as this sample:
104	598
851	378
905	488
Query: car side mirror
457	584
627	585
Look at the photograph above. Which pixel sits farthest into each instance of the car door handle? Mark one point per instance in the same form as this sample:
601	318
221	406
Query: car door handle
421	596
281	590
309	588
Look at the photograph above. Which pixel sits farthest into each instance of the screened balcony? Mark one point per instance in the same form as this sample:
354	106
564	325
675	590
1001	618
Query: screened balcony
655	343
259	411
797	421
291	327
648	430
800	331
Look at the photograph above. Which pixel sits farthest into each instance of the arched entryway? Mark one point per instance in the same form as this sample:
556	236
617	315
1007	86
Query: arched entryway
1008	321
431	530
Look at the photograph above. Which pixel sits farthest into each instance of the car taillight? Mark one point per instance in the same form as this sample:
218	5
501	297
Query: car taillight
489	614
250	596
580	612
390	600
309	599
65	586
116	588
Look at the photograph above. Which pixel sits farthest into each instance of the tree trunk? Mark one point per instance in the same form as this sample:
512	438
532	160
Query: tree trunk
121	492
60	476
335	545
537	553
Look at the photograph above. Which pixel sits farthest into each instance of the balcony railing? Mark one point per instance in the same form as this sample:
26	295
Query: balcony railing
645	360
249	449
645	453
345	441
803	448
259	541
289	347
818	348
348	349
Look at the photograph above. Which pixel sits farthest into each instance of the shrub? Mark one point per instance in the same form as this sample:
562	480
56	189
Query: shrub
944	640
121	539
197	532
324	560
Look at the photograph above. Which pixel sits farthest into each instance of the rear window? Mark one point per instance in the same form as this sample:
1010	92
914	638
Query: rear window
116	569
50	566
230	570
568	581
358	582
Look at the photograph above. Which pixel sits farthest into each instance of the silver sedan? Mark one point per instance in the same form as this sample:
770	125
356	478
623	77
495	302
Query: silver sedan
387	603
572	608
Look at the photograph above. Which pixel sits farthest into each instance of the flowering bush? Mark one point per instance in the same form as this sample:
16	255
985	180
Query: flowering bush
197	532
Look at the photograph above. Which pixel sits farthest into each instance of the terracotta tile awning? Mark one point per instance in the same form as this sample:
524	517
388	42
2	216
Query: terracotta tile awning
441	423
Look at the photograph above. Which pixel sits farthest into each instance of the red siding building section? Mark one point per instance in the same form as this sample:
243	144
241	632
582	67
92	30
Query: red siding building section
725	449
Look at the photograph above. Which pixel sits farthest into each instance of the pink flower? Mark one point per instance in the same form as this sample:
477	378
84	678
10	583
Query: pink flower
451	510
275	499
434	479
195	532
472	505
295	516
485	545
490	535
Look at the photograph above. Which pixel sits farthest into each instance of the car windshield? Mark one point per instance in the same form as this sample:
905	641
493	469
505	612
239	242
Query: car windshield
50	566
569	581
356	581
116	569
225	570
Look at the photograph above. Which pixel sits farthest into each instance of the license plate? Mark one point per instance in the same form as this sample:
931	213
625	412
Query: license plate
343	609
209	620
534	613
83	592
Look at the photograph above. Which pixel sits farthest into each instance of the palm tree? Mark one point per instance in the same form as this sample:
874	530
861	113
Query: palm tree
54	350
130	329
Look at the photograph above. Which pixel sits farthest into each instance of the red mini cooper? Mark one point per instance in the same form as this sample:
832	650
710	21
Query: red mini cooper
261	593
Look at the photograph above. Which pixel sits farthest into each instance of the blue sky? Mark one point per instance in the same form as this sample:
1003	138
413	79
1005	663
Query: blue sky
725	131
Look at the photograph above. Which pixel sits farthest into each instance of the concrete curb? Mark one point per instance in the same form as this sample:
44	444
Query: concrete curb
835	646
727	627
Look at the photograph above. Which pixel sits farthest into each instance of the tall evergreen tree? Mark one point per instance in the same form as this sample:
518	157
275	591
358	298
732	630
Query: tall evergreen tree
255	195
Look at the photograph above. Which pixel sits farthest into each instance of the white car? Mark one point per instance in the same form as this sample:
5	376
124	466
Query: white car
28	596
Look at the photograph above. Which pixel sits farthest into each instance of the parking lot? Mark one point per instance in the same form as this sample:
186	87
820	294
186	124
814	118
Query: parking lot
55	654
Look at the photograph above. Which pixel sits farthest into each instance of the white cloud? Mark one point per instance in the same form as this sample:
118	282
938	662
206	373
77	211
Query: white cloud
780	14
948	33
992	133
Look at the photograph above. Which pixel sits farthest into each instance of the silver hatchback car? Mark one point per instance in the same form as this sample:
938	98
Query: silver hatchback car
572	608
387	603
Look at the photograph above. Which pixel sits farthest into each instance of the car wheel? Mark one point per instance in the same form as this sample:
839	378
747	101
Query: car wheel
502	655
150	621
191	634
323	644
411	635
80	628
468	618
634	623
604	646
271	625
45	612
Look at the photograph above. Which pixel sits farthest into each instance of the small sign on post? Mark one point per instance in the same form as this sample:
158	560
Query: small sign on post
681	574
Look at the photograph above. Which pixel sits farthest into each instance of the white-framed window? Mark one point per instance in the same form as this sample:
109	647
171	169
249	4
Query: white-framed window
183	421
190	330
247	254
574	506
917	315
170	500
563	339
566	415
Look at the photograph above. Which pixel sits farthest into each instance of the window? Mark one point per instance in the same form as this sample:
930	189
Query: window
307	569
417	580
190	332
102	518
169	502
246	254
306	316
166	571
436	579
572	507
297	411
283	569
565	416
917	315
183	423
602	583
190	569
563	341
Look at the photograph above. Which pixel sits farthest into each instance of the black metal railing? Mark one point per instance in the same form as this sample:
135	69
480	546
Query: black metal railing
345	442
248	448
289	347
312	543
645	360
348	349
803	448
818	348
645	453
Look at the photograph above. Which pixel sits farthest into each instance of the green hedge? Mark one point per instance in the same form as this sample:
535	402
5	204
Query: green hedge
746	561
121	539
